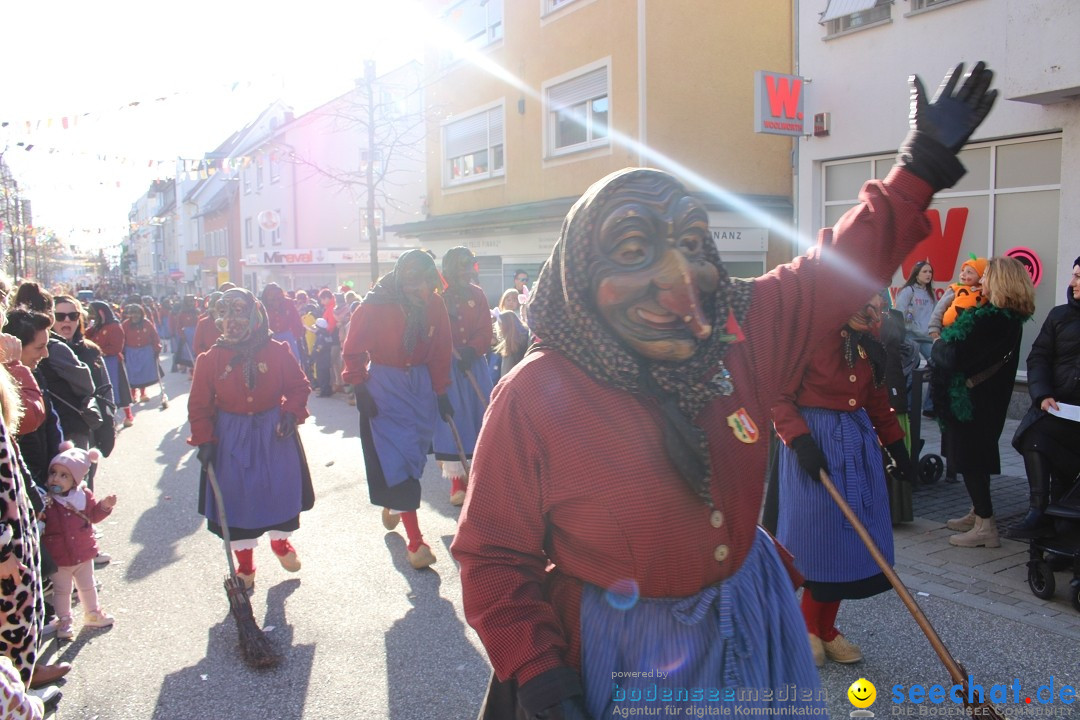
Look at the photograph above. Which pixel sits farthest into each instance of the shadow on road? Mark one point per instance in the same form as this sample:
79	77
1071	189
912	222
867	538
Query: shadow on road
221	680
160	529
429	661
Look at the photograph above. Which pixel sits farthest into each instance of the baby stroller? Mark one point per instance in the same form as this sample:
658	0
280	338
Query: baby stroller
928	468
1060	551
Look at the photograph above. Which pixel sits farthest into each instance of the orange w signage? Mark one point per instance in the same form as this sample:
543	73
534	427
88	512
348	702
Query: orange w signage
778	103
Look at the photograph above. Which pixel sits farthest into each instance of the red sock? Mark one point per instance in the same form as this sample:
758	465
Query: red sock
281	547
827	620
412	530
245	561
811	609
128	414
457	483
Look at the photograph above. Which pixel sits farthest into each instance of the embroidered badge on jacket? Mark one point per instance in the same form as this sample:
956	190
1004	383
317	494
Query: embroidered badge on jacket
742	425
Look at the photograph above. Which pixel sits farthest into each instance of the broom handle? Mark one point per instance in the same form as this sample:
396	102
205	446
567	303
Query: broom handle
472	381
212	477
460	447
913	607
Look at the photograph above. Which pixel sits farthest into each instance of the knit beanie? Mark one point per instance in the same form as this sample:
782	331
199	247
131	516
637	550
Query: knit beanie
75	460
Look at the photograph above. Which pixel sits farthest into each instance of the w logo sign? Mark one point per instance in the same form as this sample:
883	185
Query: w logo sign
778	103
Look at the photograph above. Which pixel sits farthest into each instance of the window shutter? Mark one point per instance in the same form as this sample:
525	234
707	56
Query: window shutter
495	127
585	87
840	8
468	135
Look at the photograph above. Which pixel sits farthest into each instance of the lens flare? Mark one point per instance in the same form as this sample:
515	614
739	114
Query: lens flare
623	594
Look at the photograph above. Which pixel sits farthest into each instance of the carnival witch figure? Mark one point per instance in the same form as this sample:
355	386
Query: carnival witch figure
397	357
141	349
591	549
247	396
470	379
108	334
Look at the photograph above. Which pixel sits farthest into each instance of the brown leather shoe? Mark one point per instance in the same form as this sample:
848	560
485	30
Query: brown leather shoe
48	674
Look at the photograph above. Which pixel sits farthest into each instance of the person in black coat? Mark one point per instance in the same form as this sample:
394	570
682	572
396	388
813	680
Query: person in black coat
975	364
1048	443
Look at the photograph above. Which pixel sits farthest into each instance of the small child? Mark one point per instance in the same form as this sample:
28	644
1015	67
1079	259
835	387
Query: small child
70	513
960	296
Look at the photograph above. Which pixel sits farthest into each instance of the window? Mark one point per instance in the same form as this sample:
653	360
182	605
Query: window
275	234
259	173
248	239
477	22
275	168
247	179
262	237
844	15
578	113
473	147
553	5
926	4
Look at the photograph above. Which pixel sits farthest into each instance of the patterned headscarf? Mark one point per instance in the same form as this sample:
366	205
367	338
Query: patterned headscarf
454	295
563	314
135	313
103	313
388	291
239	302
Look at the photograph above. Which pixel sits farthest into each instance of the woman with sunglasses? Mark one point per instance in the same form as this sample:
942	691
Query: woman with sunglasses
836	418
68	314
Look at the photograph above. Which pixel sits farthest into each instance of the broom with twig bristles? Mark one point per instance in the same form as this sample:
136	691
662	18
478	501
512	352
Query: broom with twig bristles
956	670
255	647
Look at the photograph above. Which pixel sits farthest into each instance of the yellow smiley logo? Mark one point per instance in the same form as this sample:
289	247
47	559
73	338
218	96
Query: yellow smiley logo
862	693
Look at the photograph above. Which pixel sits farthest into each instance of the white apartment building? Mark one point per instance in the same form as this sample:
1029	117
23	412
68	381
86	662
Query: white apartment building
1021	194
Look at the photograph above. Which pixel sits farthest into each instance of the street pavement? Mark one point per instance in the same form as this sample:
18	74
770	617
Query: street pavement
363	635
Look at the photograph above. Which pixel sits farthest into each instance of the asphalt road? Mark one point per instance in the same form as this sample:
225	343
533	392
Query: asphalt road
363	635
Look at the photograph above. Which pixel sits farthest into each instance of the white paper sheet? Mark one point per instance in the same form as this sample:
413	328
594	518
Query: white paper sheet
1067	411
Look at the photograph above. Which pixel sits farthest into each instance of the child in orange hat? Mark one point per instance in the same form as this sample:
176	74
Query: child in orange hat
966	294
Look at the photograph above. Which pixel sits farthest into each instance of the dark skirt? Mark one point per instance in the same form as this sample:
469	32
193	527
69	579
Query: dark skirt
119	379
264	479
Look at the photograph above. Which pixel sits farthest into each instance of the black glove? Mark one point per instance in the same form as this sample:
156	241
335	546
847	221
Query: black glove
206	453
811	459
939	128
901	458
365	404
554	695
286	425
446	410
466	358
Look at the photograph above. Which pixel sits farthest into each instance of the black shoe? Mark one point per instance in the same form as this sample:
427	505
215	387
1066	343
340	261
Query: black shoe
930	414
324	393
1034	525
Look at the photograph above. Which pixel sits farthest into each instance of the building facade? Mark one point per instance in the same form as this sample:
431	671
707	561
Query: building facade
516	135
1021	194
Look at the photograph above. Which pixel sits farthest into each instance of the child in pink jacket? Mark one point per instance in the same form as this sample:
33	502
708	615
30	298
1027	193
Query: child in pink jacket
70	513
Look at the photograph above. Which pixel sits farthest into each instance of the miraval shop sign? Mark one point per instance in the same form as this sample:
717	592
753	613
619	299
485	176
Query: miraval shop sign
778	103
319	256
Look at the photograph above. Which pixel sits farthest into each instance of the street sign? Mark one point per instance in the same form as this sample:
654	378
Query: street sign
176	274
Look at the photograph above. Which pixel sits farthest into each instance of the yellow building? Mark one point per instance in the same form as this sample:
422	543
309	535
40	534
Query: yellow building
548	96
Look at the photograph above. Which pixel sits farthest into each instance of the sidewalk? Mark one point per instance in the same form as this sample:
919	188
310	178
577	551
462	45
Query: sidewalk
991	580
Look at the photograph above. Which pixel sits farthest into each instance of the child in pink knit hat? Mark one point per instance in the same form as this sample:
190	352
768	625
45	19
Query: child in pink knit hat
70	513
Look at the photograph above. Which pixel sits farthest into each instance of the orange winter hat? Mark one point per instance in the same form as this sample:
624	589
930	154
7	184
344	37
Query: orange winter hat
978	264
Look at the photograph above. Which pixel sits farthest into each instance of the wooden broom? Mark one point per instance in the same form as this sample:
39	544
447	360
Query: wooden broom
958	673
255	647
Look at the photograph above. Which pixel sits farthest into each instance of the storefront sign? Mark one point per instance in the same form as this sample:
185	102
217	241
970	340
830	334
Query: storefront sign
319	256
737	238
1030	260
778	103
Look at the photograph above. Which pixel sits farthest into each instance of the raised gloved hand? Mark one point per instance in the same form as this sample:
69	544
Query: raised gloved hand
554	695
446	410
286	425
365	404
811	459
952	116
940	127
466	358
901	458
206	453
